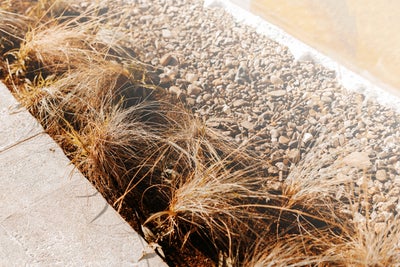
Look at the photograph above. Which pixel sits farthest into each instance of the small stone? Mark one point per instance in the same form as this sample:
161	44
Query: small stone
175	90
164	78
274	133
169	59
242	74
347	124
238	103
217	82
326	99
199	100
166	33
191	77
277	93
230	86
381	175
226	109
291	125
281	166
228	62
357	159
294	155
191	101
283	140
207	97
335	141
307	137
193	90
145	18
327	93
247	125
342	139
275	80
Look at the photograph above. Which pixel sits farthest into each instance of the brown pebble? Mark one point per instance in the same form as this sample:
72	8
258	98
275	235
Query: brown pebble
207	97
283	140
294	155
169	60
194	90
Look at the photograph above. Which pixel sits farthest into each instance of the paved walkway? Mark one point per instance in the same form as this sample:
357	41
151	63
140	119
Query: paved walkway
50	215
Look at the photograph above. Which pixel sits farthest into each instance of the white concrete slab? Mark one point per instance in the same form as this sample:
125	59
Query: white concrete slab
11	251
30	171
16	123
50	215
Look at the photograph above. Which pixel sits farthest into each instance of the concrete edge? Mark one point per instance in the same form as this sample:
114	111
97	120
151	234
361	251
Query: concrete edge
50	214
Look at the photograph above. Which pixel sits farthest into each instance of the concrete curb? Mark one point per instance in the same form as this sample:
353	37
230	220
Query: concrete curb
50	215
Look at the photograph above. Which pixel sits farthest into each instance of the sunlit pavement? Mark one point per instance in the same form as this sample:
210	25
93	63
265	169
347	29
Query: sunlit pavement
50	214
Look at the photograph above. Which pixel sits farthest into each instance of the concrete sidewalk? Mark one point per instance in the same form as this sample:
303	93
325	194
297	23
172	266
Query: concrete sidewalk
50	215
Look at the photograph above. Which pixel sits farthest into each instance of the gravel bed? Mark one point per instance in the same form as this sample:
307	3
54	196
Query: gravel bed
254	91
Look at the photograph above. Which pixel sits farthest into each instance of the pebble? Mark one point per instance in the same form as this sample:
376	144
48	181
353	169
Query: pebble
169	60
166	33
274	133
275	80
381	175
291	125
194	90
175	90
164	78
217	82
248	125
207	97
307	137
191	77
242	74
283	140
326	99
238	103
294	155
226	109
278	93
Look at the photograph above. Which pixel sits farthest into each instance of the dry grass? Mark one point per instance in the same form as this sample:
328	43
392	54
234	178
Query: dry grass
184	181
12	28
